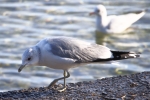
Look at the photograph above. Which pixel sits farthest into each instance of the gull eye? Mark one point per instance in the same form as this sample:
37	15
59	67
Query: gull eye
29	58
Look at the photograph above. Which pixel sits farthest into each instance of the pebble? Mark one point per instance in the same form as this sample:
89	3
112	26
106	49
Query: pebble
134	86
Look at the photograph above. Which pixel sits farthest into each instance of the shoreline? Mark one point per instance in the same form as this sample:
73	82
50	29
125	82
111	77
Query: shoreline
122	87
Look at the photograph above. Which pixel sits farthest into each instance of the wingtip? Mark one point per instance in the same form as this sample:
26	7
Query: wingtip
146	10
135	54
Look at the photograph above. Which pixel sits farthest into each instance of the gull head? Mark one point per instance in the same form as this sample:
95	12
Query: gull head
100	10
29	57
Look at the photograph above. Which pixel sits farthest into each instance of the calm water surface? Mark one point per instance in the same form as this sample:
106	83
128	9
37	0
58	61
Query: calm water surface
24	22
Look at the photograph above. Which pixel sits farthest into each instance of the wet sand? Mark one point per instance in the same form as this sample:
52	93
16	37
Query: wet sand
127	87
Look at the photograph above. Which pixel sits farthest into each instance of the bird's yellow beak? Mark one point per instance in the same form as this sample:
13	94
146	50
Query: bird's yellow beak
21	67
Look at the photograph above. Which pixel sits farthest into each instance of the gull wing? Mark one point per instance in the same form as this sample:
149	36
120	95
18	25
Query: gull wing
70	48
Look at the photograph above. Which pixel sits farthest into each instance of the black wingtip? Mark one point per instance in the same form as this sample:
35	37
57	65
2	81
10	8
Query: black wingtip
137	54
120	55
146	10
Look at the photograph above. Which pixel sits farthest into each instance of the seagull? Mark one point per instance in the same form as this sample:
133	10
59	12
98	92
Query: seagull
114	23
64	53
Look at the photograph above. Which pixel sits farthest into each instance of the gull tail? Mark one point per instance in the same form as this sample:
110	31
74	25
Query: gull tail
146	10
137	11
119	55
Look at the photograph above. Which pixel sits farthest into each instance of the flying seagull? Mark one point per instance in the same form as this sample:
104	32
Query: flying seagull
66	52
114	23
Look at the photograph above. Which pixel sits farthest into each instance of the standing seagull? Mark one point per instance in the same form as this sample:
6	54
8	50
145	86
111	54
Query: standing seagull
66	52
114	23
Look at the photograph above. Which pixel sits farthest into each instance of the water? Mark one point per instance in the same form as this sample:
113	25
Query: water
24	22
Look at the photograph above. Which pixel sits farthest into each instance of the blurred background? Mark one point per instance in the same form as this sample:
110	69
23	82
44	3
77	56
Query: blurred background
24	22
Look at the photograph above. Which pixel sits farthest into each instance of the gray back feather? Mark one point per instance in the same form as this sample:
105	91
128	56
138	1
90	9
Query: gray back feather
66	48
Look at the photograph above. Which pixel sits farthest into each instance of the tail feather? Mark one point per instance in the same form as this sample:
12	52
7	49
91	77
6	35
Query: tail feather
120	55
137	11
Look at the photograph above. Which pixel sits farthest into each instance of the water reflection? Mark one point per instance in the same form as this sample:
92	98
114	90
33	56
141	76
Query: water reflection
101	38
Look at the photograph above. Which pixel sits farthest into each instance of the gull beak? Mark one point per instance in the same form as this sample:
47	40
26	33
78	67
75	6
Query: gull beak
21	67
92	13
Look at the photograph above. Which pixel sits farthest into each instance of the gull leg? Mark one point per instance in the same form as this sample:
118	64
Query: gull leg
56	80
60	89
64	79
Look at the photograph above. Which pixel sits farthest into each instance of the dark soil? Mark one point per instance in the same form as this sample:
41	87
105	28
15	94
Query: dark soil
127	87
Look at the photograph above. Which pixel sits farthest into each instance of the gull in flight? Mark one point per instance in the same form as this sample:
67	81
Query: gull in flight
114	23
64	53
